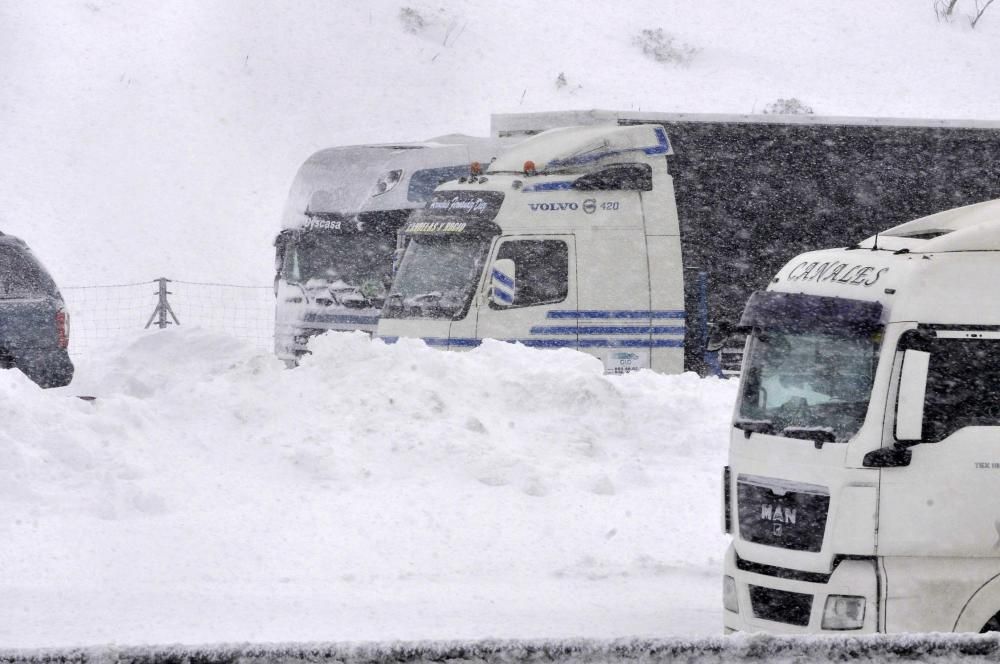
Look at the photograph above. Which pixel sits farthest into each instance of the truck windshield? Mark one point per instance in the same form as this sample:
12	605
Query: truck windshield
801	384
359	262
437	277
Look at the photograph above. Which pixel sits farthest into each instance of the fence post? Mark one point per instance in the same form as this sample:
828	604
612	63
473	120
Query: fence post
162	307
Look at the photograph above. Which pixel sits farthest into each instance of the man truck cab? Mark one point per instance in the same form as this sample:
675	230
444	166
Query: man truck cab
334	255
863	486
569	240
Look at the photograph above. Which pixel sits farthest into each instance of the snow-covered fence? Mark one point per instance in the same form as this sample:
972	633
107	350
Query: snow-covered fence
756	648
102	313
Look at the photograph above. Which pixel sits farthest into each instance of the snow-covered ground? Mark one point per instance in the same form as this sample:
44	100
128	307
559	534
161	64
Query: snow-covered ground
375	492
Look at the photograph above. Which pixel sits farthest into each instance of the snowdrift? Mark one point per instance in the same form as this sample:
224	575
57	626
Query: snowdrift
377	491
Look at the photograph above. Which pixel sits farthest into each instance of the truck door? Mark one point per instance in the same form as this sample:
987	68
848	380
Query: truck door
946	500
536	305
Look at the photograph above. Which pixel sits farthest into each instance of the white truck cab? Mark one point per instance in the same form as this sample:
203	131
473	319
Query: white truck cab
863	486
340	230
569	240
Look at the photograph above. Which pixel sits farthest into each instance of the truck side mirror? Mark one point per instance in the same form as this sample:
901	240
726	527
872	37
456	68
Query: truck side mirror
397	257
280	244
718	334
912	390
503	284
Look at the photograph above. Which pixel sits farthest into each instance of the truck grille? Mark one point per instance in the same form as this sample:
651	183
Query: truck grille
781	606
775	512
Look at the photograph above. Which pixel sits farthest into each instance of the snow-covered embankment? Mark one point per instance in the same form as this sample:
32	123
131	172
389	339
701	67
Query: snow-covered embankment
375	492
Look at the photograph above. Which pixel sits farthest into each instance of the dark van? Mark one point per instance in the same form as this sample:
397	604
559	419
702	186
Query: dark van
34	323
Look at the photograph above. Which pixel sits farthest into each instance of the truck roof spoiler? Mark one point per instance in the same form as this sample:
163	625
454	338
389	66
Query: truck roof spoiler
969	228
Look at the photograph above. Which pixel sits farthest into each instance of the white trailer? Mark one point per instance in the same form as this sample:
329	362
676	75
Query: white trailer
334	254
864	462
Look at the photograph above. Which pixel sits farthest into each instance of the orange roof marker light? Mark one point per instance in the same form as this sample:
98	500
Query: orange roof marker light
475	168
529	168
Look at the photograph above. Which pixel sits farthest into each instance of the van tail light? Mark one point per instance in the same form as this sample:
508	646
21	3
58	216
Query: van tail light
62	328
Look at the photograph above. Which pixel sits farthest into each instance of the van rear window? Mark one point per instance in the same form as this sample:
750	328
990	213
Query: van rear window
21	275
423	183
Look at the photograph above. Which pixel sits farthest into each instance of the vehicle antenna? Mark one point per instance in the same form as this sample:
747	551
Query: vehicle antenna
875	245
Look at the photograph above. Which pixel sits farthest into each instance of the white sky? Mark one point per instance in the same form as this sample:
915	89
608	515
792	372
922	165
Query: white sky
148	139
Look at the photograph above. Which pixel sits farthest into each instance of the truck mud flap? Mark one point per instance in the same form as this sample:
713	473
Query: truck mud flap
737	648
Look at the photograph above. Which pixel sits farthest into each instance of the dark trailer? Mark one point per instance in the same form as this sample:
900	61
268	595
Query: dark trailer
753	191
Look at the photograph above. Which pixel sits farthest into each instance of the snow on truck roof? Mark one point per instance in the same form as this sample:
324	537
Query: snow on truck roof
969	228
578	148
342	180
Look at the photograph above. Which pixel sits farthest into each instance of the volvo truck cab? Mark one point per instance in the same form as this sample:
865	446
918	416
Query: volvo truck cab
863	483
569	240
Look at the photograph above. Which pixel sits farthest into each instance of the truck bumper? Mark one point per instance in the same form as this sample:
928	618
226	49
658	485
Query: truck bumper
47	368
784	601
291	342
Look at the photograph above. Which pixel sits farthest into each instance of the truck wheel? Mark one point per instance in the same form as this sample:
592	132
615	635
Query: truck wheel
992	625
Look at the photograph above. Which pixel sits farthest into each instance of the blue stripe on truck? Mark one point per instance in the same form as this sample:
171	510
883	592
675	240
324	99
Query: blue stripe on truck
353	319
553	343
611	314
503	278
549	186
642	329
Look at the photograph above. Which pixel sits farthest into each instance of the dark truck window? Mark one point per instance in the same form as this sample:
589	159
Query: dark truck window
963	386
21	275
423	183
541	268
352	258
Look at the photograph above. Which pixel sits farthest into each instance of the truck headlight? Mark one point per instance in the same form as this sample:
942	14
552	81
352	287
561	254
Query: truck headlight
387	181
844	612
729	600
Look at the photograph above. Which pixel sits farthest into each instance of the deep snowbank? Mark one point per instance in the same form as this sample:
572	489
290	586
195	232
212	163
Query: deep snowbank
375	492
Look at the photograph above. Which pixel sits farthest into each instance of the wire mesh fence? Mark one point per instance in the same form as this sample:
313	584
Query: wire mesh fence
101	313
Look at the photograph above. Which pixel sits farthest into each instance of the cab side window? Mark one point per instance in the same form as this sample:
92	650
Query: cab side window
961	386
541	268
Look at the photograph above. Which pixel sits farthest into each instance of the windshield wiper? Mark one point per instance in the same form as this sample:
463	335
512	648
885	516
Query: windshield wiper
818	435
754	426
430	295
